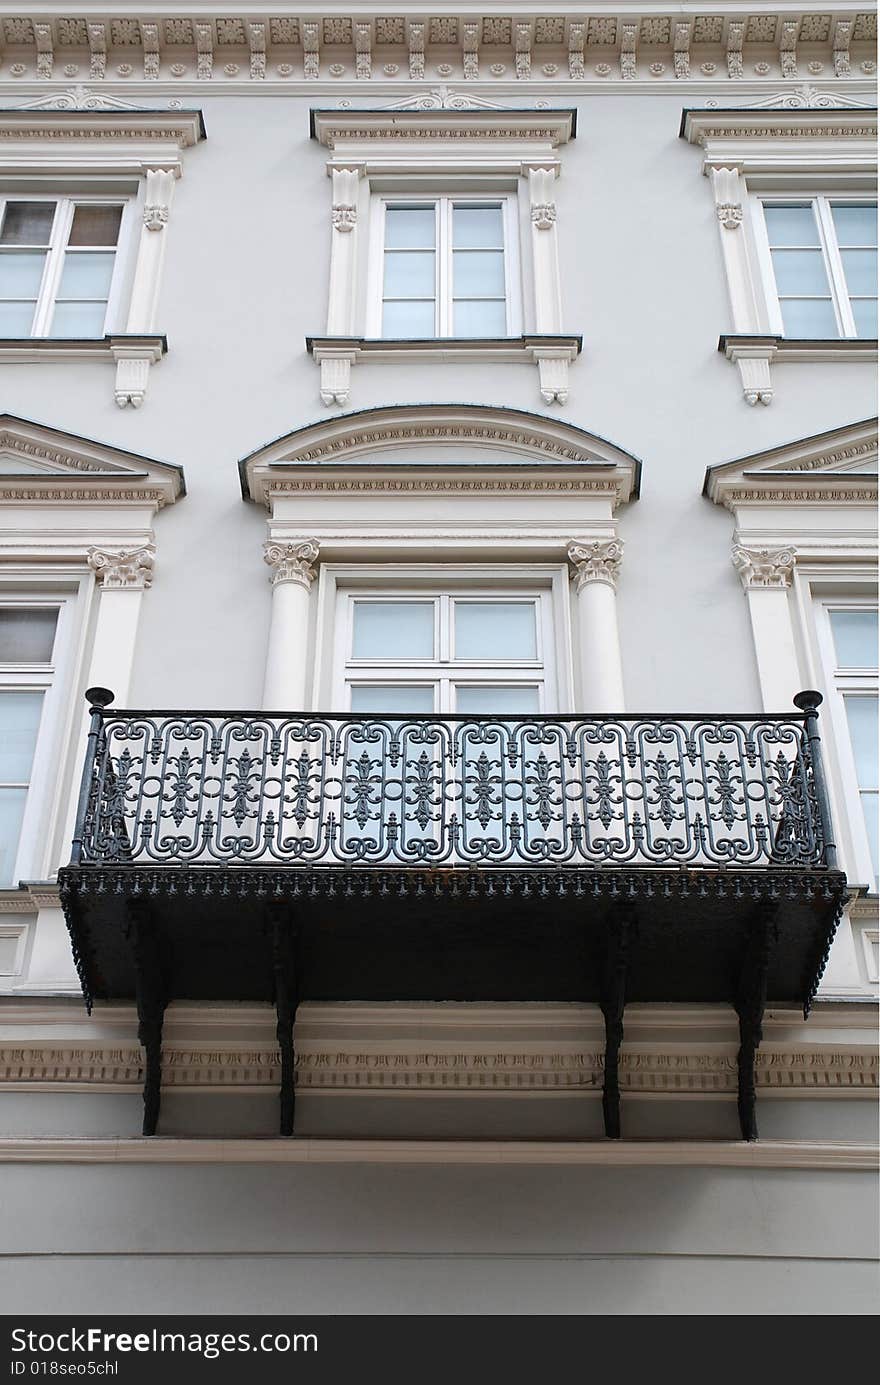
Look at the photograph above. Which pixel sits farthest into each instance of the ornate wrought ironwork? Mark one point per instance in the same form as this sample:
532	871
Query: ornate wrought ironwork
233	789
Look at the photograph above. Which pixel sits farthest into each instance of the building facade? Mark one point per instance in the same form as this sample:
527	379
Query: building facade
440	441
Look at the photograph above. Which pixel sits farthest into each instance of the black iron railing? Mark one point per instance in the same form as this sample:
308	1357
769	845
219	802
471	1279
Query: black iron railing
249	788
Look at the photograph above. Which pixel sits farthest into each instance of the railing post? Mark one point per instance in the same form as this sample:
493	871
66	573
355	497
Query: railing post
809	702
98	699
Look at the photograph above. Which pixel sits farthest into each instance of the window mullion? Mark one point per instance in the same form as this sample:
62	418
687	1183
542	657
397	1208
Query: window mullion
54	266
444	267
834	263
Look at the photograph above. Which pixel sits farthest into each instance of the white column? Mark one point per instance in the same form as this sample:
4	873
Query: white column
766	575
284	688
596	565
124	575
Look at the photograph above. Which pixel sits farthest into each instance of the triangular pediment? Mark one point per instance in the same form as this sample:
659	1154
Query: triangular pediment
36	461
834	466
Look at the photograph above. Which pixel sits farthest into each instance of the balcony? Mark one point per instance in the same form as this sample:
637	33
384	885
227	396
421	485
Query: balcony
251	856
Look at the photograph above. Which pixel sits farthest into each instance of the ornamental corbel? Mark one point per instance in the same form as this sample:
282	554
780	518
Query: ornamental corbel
123	569
681	49
788	35
150	41
97	34
753	355
256	36
596	560
840	48
764	569
45	54
523	50
544	215
311	42
736	30
204	34
363	58
470	45
577	34
157	200
415	42
629	37
336	377
292	562
344	216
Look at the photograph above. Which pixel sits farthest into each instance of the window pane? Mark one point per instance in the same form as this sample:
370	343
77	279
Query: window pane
477	227
475	319
12	803
861	713
411	319
78	320
864	311
409	274
19	723
389	697
27	223
855	225
16	319
791	225
26	635
484	699
800	272
20	273
808	317
410	228
393	630
855	638
495	630
87	275
95	225
860	268
480	273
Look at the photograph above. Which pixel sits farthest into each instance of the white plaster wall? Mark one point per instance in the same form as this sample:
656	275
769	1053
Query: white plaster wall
438	1240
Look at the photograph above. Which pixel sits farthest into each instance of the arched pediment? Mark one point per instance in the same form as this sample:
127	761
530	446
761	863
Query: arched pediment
436	447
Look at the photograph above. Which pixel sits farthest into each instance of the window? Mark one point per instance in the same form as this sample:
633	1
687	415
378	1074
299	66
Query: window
58	262
848	633
820	260
28	639
471	652
446	268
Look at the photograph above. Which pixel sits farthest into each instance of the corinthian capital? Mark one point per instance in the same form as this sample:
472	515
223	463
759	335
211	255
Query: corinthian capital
123	569
595	560
764	567
292	562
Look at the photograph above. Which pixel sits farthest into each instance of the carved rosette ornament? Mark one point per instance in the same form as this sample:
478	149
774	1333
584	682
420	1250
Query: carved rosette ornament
292	562
764	568
597	560
123	569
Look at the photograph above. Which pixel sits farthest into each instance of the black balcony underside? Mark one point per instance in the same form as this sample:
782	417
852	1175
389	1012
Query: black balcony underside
384	935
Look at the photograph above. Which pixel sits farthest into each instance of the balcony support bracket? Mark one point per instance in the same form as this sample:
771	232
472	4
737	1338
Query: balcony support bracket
617	955
750	1002
151	999
284	938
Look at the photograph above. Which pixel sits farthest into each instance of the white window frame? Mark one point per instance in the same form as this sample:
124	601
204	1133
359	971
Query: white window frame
821	203
444	203
53	680
443	670
65	204
840	682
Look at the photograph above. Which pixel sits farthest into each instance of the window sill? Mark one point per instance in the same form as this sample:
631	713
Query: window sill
753	354
133	354
551	354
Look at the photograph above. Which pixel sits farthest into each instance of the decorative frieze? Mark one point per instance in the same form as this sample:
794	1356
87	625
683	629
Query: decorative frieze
764	568
123	569
292	562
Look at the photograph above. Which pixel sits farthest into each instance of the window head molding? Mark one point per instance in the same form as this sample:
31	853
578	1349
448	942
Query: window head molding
466	150
41	466
833	469
784	139
373	450
62	147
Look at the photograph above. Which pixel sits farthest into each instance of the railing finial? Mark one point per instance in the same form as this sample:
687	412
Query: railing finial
99	697
808	701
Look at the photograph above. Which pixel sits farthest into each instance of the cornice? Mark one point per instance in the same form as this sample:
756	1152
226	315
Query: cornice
768	1154
338	129
831	468
99	126
80	469
702	126
504	1049
652	45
